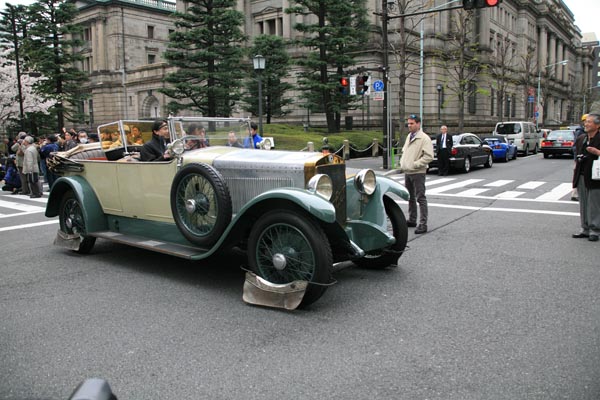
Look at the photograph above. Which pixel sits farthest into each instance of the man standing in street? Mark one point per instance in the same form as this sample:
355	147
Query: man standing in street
417	153
19	149
578	132
31	167
588	150
443	143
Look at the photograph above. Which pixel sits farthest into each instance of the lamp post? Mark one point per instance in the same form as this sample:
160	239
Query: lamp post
439	88
537	118
508	111
584	95
259	66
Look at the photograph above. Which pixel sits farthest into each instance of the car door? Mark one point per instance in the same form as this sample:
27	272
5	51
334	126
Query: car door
478	153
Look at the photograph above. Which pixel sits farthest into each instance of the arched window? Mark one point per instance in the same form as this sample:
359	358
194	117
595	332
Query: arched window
151	107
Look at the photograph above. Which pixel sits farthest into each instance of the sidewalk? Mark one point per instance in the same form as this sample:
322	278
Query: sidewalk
374	163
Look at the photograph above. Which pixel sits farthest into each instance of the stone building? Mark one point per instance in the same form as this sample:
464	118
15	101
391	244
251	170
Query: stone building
545	67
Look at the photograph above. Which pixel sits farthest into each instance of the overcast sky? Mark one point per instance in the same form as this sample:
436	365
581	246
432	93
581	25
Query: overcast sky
586	12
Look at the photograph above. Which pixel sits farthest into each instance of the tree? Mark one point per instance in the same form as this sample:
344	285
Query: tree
49	47
461	59
10	106
337	33
207	51
273	84
502	72
528	66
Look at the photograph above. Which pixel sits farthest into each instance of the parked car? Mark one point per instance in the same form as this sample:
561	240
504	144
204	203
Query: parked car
467	151
558	143
295	214
522	134
501	148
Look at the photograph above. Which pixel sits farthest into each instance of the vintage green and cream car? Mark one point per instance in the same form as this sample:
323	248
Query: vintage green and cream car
295	214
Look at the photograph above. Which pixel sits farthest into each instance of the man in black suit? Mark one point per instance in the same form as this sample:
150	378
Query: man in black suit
443	143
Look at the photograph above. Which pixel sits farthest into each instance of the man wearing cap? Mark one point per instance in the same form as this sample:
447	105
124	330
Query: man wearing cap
31	167
156	149
19	149
417	153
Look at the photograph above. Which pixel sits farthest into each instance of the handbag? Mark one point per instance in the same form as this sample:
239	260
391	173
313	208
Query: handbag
596	170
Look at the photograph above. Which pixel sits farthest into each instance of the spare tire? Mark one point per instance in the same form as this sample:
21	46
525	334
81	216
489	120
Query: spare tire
200	203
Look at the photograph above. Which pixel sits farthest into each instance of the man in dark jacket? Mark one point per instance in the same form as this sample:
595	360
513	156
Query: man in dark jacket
156	149
588	150
443	144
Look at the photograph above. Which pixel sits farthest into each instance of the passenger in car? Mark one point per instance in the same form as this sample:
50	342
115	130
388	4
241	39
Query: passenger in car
156	149
232	140
134	136
192	144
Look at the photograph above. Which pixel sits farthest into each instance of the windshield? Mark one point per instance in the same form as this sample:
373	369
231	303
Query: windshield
199	133
508	129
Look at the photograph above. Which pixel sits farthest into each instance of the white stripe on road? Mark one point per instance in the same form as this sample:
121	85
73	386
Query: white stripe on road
560	191
509	194
451	186
20	206
498	209
24	226
531	185
499	183
438	181
472	192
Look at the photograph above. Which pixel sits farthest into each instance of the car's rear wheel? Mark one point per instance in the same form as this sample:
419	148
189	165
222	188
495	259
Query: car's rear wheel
546	155
506	156
285	246
490	161
200	204
535	149
71	221
396	221
526	153
467	165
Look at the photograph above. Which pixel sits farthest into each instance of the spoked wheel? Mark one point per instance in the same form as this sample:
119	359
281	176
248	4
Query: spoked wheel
467	166
490	161
396	224
71	222
200	203
285	246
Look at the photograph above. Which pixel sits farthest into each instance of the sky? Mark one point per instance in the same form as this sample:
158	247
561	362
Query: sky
586	13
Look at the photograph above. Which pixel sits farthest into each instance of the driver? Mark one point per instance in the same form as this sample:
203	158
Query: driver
156	149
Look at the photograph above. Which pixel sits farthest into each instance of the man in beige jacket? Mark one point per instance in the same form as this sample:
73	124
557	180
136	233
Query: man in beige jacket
417	153
31	167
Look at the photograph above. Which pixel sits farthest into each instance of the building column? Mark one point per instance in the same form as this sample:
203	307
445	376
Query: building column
542	48
559	57
552	53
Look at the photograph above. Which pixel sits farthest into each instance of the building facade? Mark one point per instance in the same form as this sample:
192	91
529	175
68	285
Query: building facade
536	67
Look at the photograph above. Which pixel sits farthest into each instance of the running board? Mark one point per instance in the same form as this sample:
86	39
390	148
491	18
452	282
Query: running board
178	250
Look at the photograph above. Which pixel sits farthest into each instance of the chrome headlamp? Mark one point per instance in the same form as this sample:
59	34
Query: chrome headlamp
321	184
177	147
365	182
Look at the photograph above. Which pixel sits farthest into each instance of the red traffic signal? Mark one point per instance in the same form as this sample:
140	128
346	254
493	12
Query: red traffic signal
344	85
472	4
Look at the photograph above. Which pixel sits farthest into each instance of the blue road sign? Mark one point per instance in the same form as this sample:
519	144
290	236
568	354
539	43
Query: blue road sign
530	99
537	114
378	86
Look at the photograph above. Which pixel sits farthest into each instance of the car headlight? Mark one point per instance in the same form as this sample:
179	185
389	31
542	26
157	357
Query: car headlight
266	144
365	182
321	184
177	147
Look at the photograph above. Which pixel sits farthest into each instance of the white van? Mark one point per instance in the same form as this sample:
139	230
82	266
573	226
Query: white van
523	134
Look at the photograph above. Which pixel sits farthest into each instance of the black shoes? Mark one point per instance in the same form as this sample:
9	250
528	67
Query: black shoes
411	224
33	196
580	235
421	229
593	238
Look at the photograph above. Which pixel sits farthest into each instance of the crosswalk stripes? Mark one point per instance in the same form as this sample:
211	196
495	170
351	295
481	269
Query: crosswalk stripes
505	189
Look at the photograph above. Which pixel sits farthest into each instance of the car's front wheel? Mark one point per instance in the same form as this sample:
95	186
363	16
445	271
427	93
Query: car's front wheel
285	246
200	204
71	221
396	221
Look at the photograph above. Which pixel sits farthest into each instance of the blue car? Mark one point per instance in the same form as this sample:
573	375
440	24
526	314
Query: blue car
502	149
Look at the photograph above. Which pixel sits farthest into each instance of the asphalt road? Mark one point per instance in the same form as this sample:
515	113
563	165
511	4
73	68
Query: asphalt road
496	301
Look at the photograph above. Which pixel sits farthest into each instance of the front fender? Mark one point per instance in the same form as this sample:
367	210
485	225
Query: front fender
93	214
311	202
370	208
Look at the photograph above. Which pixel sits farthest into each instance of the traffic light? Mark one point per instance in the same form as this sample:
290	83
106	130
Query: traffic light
471	4
344	84
362	85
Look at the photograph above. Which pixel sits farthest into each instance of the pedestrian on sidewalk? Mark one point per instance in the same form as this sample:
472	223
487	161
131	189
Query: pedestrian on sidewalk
588	150
417	153
443	143
31	167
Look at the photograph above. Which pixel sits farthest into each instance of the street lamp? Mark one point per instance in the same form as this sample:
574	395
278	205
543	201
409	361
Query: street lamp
584	93
537	118
259	66
439	88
